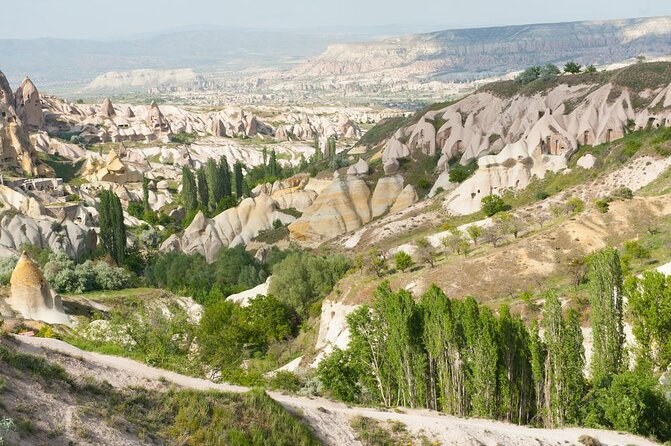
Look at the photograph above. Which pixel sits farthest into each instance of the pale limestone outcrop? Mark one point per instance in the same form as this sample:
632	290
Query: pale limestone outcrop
32	297
385	193
395	150
107	109
114	170
43	143
358	168
16	151
298	199
156	120
235	226
586	161
29	105
406	198
76	240
345	205
333	329
243	298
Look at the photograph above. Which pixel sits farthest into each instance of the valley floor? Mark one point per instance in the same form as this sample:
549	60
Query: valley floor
330	420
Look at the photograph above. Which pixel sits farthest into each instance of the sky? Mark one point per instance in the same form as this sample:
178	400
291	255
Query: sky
97	19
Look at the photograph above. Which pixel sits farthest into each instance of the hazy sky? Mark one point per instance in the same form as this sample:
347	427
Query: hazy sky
110	18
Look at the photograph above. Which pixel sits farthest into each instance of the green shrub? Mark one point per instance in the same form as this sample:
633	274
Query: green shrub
623	193
340	376
7	265
67	277
492	204
403	261
460	173
630	402
602	205
634	249
302	278
285	380
575	205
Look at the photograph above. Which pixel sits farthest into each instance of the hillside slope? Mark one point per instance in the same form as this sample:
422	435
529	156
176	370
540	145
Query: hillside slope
330	420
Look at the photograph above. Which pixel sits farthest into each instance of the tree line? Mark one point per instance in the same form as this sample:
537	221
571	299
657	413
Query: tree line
460	357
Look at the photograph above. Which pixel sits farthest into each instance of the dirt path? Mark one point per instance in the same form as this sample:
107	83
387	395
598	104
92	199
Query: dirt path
329	419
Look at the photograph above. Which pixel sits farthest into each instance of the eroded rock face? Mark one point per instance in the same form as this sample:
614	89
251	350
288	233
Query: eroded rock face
107	109
235	226
16	151
31	295
114	170
359	168
29	105
516	138
346	205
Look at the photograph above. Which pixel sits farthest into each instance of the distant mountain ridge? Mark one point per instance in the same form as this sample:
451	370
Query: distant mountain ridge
462	53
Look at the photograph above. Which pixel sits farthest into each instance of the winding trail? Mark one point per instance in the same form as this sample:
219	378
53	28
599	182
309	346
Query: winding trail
329	419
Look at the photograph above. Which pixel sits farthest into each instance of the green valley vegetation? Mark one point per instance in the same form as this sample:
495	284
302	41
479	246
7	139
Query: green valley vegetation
162	333
460	357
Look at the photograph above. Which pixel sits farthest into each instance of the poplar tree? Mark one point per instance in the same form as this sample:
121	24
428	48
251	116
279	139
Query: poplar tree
605	284
485	366
649	300
203	192
189	190
443	343
318	150
564	382
369	352
515	378
538	352
402	321
112	228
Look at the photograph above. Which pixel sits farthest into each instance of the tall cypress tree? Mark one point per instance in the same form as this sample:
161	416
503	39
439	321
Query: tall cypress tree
203	191
225	173
189	190
239	178
145	192
318	150
215	185
273	168
605	283
112	228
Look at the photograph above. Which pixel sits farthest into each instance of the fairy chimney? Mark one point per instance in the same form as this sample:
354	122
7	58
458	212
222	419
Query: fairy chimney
29	105
107	109
31	295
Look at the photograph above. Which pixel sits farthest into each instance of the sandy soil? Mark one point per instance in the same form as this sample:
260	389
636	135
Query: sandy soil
329	419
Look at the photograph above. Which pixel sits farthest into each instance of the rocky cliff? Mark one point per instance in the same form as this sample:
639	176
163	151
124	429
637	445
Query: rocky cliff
516	132
468	53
